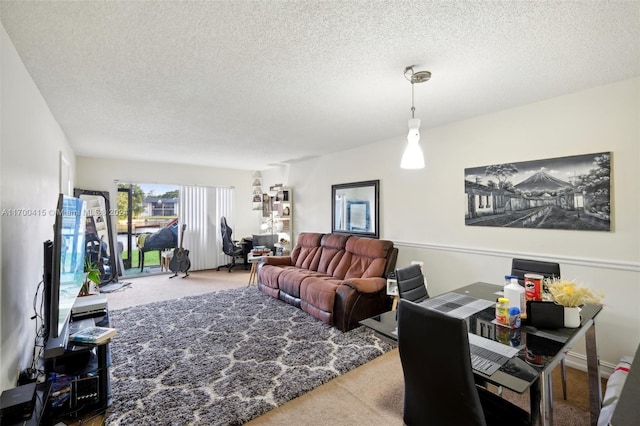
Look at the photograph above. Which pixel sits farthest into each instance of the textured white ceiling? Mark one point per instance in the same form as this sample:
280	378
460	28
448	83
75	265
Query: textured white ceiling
248	84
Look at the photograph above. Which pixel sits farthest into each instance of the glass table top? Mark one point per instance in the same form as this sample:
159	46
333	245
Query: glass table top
538	348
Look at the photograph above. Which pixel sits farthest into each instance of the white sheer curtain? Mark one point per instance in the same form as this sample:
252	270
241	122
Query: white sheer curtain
200	209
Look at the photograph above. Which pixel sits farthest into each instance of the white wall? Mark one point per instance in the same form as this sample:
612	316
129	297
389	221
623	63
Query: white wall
422	211
100	174
30	144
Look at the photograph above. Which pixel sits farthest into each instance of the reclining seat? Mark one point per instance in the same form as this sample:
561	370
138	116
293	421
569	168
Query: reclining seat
363	293
305	255
359	274
332	247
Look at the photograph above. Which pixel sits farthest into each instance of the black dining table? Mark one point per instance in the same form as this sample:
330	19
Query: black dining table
540	351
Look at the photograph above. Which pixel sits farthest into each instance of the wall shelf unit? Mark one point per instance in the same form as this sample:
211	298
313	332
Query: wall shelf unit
257	191
277	214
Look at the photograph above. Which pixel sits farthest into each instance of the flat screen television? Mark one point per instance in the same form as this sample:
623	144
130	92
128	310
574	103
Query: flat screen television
63	271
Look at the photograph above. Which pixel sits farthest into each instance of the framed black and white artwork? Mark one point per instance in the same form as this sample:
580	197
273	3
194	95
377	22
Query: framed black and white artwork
571	192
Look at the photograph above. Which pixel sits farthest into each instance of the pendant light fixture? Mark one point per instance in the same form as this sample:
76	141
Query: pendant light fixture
413	158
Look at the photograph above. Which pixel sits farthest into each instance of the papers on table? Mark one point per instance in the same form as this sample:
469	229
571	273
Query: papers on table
493	346
457	305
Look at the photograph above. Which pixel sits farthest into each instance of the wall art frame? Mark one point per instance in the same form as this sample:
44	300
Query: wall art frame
355	208
572	192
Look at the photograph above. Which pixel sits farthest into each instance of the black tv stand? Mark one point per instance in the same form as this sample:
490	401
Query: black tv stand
82	370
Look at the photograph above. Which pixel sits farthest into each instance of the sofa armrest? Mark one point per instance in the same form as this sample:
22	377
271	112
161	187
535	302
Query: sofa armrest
366	285
357	299
276	260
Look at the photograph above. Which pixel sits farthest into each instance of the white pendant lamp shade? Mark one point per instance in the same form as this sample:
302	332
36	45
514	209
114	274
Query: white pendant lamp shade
414	130
413	157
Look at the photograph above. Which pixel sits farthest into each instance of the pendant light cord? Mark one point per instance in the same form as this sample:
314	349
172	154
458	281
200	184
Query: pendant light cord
406	70
413	108
419	77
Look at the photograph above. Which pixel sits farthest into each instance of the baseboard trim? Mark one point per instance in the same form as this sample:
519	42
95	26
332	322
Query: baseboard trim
579	362
580	261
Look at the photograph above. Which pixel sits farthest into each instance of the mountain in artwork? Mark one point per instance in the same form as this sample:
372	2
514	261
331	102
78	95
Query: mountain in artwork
542	182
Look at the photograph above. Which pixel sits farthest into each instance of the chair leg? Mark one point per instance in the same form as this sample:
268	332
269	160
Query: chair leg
231	265
564	378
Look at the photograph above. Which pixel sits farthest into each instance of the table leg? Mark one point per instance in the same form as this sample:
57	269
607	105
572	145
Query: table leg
541	400
593	371
252	274
394	305
534	403
546	398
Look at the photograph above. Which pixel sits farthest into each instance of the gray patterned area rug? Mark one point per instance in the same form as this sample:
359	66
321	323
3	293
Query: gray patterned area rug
223	358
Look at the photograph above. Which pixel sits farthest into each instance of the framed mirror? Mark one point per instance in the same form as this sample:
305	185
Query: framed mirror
355	208
100	249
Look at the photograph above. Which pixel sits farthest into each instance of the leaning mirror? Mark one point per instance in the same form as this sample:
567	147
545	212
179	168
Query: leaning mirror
100	249
355	208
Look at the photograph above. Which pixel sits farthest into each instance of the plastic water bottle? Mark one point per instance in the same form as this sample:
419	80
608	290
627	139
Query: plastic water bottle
516	295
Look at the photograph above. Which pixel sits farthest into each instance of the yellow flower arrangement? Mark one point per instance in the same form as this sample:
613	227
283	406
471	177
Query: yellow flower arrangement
569	294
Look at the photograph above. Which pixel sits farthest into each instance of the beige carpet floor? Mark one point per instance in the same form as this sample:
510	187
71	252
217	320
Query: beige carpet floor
369	395
154	288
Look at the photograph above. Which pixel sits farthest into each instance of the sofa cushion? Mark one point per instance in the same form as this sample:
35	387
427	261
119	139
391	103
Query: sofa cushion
318	296
273	292
364	258
290	280
332	249
269	273
306	253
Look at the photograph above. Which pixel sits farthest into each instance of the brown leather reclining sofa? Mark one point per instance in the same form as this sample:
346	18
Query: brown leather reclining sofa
339	279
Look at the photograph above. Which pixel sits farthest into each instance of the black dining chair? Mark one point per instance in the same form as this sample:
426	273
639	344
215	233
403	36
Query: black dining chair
439	383
520	267
411	284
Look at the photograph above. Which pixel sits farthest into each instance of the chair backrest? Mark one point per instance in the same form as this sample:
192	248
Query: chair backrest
519	267
439	383
93	248
227	242
411	283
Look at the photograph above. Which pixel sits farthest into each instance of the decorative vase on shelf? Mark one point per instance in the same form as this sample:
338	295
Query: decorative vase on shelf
571	317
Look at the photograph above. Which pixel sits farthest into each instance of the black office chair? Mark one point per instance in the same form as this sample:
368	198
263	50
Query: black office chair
96	253
439	383
411	284
232	248
520	267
